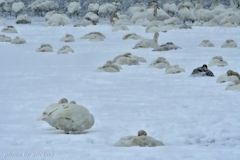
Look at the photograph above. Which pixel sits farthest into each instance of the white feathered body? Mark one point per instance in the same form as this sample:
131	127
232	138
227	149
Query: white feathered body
142	141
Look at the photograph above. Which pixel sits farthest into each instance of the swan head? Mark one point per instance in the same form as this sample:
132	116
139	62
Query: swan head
156	35
142	133
73	102
232	73
205	66
63	100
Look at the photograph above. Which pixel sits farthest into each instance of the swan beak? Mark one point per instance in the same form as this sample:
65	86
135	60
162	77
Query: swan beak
40	118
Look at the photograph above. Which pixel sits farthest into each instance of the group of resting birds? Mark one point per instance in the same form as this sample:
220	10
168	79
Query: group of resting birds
71	117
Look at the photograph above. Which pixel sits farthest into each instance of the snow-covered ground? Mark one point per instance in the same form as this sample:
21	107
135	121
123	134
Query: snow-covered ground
196	118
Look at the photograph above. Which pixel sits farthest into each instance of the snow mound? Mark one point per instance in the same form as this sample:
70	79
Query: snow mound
120	28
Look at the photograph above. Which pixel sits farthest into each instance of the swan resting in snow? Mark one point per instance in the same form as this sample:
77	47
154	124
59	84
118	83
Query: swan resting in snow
9	29
67	38
202	71
65	50
128	59
206	43
45	48
174	70
110	66
23	19
160	63
235	84
48	111
18	40
218	61
4	38
166	47
68	117
229	44
148	43
94	36
184	26
227	77
141	140
133	36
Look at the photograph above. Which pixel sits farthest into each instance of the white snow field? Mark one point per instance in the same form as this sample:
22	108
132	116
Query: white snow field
195	117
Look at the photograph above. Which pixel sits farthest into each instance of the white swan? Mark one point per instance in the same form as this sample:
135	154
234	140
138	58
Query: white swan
218	61
90	16
141	140
185	13
160	63
174	70
72	118
133	36
68	116
93	7
110	66
128	59
4	38
45	48
148	43
23	19
18	7
9	29
172	21
170	8
68	38
58	19
202	14
229	44
18	40
65	50
227	76
235	84
206	43
46	115
94	36
166	47
74	8
84	22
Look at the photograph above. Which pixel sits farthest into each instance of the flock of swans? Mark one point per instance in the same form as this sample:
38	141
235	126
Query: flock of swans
71	117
